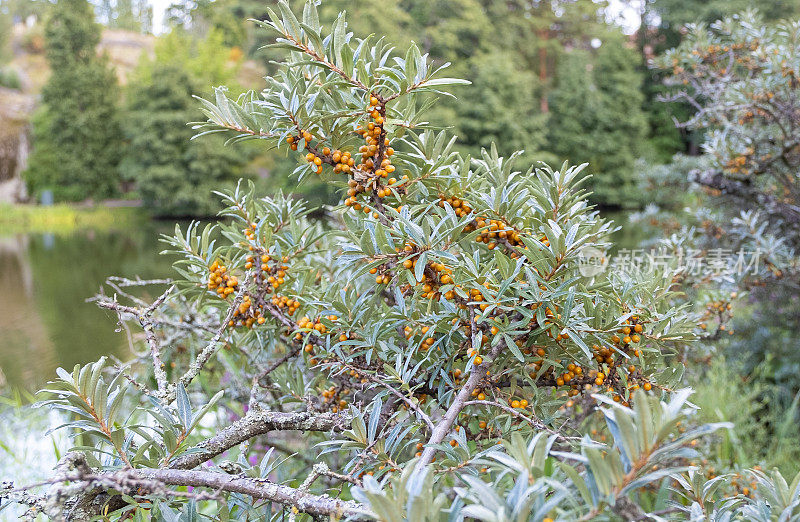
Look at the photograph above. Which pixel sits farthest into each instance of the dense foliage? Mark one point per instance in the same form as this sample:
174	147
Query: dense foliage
76	130
741	75
544	57
132	15
596	117
552	55
440	350
175	175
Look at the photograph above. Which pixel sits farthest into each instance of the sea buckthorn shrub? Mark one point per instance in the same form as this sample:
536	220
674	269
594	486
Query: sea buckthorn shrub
740	76
436	350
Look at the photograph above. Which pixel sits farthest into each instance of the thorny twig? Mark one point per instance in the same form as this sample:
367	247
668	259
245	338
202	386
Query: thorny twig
212	347
144	320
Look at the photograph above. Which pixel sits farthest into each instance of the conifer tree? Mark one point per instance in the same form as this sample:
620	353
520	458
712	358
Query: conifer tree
77	134
484	116
175	175
596	117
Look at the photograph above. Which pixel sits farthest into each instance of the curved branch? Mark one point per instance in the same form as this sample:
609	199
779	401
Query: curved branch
320	505
92	497
258	423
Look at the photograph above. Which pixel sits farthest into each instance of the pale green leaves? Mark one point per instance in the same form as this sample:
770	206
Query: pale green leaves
93	406
647	449
411	498
325	74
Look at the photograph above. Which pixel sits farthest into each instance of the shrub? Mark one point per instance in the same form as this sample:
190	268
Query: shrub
742	76
76	131
438	351
175	175
9	78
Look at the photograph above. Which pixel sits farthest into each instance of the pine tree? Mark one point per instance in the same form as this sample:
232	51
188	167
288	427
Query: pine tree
622	122
574	106
77	134
174	174
596	117
484	115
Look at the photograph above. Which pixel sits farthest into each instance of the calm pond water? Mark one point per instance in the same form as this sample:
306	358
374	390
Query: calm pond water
45	321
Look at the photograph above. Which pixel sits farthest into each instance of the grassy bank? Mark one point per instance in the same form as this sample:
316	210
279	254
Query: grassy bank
64	218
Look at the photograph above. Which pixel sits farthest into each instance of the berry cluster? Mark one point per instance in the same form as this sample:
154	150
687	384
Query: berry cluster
251	310
610	361
374	164
425	342
491	232
521	403
720	313
341	161
313	324
247	314
479	394
290	306
333	398
460	207
302	134
434	275
269	273
494	231
376	152
474	352
272	273
220	281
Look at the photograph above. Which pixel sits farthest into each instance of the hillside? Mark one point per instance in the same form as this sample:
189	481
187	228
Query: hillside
124	50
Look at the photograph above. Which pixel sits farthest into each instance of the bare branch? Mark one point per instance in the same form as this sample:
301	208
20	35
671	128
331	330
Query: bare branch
144	320
92	487
258	423
262	489
443	428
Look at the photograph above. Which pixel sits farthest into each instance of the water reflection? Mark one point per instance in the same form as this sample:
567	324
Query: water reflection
45	280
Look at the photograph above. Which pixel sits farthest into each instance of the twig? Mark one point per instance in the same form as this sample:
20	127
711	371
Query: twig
450	416
94	485
533	421
210	349
147	325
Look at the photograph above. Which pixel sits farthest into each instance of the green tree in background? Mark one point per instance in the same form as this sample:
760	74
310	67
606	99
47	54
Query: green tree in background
536	34
596	117
449	30
5	32
622	123
229	18
669	16
24	8
500	107
76	131
208	60
174	174
519	56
